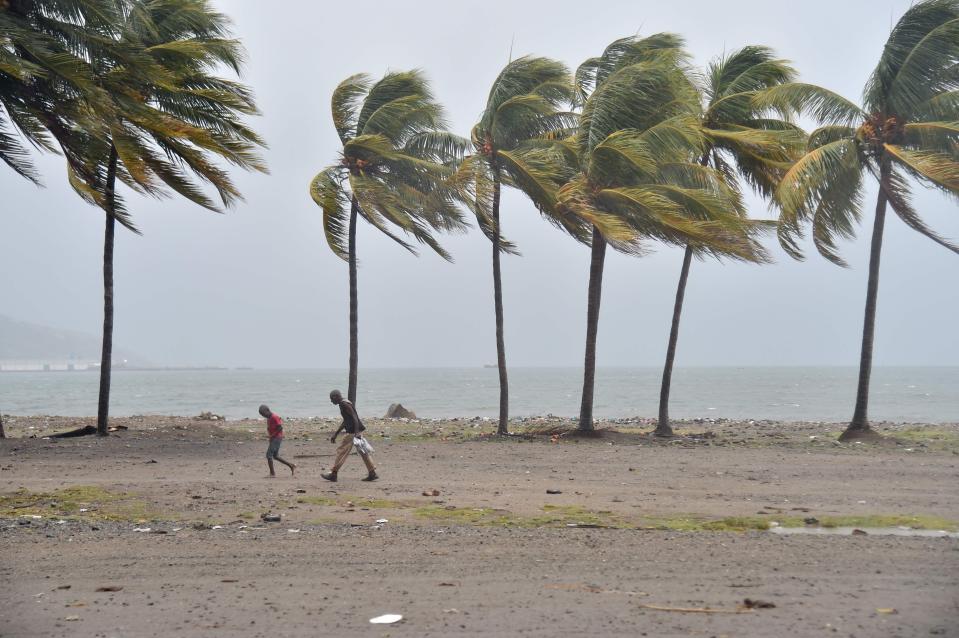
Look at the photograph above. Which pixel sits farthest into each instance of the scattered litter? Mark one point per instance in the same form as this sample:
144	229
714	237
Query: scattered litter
64	586
177	529
301	491
150	461
447	585
272	518
382	520
159	531
451	610
859	532
229	580
886	610
293	531
751	603
554	491
217	527
861	502
72	618
109	588
142	529
386	619
84	509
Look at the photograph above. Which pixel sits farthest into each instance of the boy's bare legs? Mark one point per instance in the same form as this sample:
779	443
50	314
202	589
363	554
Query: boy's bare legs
269	461
292	466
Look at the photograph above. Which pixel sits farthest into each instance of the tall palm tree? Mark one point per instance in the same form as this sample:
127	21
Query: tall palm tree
523	105
165	116
744	143
632	168
394	172
907	129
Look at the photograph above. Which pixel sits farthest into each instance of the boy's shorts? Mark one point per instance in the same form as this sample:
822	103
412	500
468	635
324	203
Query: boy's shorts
274	450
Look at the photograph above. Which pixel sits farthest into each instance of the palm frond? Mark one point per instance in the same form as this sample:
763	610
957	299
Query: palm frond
824	105
896	190
823	187
938	168
918	60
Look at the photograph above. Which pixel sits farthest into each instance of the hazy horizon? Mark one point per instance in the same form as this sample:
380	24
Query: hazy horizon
259	286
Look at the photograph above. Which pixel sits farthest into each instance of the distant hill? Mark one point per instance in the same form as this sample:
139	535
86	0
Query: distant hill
20	340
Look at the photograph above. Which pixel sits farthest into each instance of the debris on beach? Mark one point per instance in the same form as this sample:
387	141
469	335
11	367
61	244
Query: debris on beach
271	518
397	411
386	619
431	492
554	491
209	416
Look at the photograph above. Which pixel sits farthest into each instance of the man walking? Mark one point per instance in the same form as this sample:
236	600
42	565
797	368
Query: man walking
353	427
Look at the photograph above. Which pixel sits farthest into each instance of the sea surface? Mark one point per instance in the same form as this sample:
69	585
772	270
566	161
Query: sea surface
916	394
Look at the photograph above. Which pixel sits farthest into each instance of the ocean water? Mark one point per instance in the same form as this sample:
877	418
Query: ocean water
918	394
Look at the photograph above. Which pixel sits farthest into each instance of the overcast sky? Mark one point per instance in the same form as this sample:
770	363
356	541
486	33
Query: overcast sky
259	286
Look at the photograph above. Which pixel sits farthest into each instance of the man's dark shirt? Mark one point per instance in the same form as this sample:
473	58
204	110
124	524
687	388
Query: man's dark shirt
347	412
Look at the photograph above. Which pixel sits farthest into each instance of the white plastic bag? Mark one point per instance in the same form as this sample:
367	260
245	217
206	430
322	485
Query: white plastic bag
362	446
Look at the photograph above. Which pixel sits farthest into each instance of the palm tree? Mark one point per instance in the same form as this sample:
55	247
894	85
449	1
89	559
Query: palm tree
633	167
743	143
523	105
156	114
908	129
397	160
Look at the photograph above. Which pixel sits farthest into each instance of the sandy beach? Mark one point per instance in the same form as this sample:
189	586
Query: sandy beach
541	534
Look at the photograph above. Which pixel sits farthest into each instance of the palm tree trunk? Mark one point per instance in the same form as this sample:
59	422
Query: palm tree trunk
503	427
663	428
859	426
598	257
106	355
354	312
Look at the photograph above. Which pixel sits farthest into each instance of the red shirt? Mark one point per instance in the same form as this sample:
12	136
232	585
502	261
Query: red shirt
274	426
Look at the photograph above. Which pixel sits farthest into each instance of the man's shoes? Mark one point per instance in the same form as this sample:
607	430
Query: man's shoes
372	477
329	476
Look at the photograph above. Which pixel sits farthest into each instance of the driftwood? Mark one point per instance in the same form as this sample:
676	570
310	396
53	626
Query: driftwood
697	610
85	431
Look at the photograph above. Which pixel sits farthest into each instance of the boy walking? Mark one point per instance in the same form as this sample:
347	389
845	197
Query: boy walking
354	427
274	427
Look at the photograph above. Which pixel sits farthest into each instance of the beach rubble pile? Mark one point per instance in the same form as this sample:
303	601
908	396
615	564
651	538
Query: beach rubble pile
397	411
209	416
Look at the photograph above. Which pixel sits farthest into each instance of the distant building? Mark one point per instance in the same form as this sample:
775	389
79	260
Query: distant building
46	365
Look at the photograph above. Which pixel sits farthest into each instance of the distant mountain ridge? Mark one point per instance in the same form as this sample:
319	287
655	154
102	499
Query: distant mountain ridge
25	341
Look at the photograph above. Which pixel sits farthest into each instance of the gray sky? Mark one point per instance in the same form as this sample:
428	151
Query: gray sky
259	286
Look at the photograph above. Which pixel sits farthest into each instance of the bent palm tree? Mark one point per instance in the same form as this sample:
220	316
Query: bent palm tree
523	105
743	143
397	160
908	128
634	169
156	114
